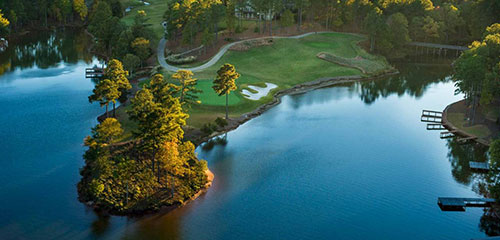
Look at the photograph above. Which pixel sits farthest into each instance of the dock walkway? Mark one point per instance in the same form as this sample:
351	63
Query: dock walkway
431	116
459	204
481	166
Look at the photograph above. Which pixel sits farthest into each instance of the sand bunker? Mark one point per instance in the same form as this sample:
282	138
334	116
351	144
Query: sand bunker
261	92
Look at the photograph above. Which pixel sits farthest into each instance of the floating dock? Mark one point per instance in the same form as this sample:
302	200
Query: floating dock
431	116
94	72
459	204
444	135
479	166
435	126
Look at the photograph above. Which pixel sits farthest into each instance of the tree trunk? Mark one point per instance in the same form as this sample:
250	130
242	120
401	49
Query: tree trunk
182	93
300	19
114	110
158	172
153	161
372	44
260	24
216	32
107	110
227	102
271	27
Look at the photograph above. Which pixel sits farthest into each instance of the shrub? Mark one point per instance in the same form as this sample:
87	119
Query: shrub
209	128
238	29
221	122
178	59
256	30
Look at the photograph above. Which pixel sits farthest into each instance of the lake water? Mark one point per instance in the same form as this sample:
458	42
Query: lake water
348	162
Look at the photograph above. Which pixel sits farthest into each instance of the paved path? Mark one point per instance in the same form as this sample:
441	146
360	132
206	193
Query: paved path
217	57
225	48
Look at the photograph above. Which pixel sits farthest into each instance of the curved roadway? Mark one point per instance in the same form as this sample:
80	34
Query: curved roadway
216	58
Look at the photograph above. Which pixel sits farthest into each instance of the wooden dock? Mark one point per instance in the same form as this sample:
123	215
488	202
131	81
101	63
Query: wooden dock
435	126
431	116
479	166
488	238
444	135
94	72
459	204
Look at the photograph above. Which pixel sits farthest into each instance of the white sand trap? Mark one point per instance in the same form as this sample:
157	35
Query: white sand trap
261	92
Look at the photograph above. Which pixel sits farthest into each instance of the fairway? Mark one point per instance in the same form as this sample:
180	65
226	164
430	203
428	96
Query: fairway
154	13
209	97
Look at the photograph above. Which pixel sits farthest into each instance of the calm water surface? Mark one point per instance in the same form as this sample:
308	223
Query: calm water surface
349	162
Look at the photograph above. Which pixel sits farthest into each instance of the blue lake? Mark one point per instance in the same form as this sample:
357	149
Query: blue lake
347	162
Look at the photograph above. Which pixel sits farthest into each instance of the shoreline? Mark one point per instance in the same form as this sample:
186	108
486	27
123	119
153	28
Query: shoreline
297	89
448	125
162	210
235	123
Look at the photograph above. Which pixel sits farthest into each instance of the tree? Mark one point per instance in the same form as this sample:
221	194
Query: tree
104	26
4	22
162	90
449	19
400	36
115	72
170	159
375	25
230	16
188	92
207	38
105	133
477	70
494	173
430	28
131	62
224	83
105	92
141	48
287	19
80	8
157	122
301	5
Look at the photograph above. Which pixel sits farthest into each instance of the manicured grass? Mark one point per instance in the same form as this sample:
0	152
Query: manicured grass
458	120
286	63
209	97
289	61
154	13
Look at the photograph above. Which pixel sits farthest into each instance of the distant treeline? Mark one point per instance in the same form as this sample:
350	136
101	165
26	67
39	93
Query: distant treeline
390	23
37	13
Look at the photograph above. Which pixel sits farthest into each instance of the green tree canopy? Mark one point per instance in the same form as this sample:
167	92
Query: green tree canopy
225	82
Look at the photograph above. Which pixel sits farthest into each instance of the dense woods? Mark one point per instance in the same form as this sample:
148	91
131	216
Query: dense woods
390	23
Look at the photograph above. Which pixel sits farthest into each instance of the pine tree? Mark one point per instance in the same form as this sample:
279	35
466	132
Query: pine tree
225	82
187	91
105	92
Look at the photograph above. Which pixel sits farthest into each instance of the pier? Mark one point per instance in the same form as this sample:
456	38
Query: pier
479	166
444	135
431	116
438	49
94	72
459	204
435	126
